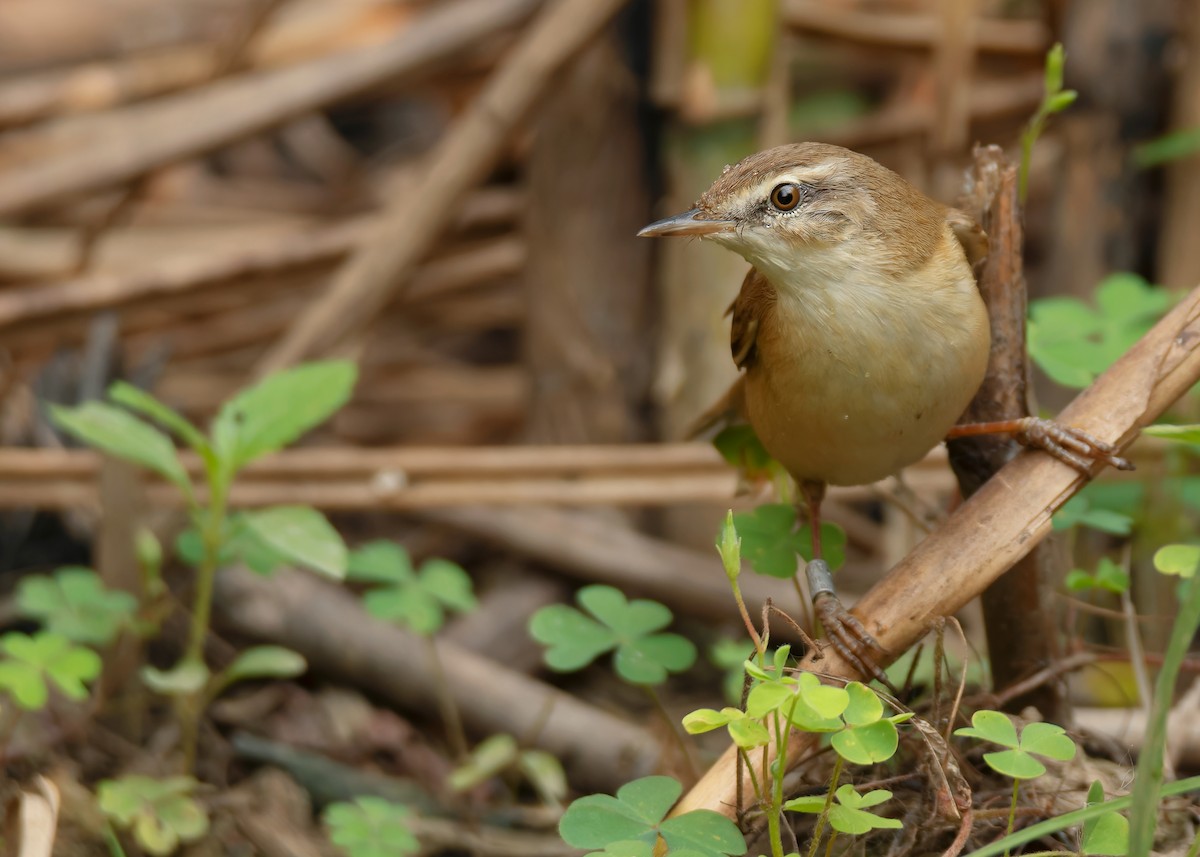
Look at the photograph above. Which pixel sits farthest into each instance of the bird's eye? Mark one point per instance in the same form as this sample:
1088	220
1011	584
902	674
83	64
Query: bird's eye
786	196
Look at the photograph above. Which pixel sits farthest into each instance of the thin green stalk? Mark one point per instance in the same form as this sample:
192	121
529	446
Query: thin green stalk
111	840
754	783
775	808
829	847
1148	779
1012	810
745	614
824	816
676	732
455	733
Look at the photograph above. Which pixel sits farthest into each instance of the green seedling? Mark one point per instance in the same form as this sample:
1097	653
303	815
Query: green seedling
772	544
501	753
75	604
1108	577
417	600
1073	341
611	623
1055	99
1018	760
603	824
162	814
848	813
1106	835
31	664
259	420
371	827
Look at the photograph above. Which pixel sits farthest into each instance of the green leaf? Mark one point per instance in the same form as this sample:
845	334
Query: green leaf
728	654
76	604
259	662
847	813
1170	147
1179	434
827	701
145	404
1109	576
706	719
121	434
490	757
637	814
1046	739
1181	560
769	542
417	600
991	726
1106	835
642	657
868	744
1015	763
449	584
740	446
748	733
184	679
545	773
770	696
161	813
33	662
1078	511
371	827
279	409
302	535
833	544
864	706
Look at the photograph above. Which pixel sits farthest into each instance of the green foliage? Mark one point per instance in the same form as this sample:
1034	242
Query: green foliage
848	813
1079	511
771	542
302	535
121	434
75	604
500	753
638	814
1106	835
728	654
371	827
1180	560
279	409
746	731
260	662
417	600
1109	577
185	678
643	656
1170	147
1189	434
740	446
31	663
1073	342
161	813
1055	99
143	403
868	736
1018	762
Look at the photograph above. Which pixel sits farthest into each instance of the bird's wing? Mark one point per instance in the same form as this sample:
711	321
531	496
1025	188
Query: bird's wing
748	309
970	235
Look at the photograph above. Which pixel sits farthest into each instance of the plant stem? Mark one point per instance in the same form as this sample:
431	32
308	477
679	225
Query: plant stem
829	846
111	840
676	732
1148	780
754	784
1012	810
824	816
745	613
449	711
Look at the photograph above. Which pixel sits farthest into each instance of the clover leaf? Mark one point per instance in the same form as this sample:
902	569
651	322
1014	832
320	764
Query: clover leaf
771	543
615	623
161	813
1105	835
1182	560
746	731
75	604
417	600
1018	762
728	654
371	827
848	814
1108	576
868	736
604	824
31	662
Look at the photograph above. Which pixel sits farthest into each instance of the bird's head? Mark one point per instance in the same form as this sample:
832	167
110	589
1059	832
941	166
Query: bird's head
807	211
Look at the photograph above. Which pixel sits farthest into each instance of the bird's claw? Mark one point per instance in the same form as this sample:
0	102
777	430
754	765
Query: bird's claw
1070	445
845	633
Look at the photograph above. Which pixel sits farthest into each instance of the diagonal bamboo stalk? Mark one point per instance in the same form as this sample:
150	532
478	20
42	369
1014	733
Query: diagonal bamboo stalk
1001	523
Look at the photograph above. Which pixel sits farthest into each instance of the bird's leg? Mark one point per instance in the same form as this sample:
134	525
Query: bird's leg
1069	445
844	631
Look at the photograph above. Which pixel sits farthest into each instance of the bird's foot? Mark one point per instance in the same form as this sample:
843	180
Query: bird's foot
845	633
1069	445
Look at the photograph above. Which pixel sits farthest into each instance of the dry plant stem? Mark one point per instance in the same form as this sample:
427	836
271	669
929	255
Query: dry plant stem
127	142
1004	520
464	158
455	733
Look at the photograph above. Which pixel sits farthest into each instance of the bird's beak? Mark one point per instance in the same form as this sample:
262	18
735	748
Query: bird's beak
688	223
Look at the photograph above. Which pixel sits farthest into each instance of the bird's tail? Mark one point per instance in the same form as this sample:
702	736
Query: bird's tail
728	409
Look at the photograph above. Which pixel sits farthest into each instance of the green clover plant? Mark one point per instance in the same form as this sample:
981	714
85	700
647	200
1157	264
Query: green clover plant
74	603
849	813
1108	577
259	420
636	819
32	664
371	827
773	545
161	813
1106	835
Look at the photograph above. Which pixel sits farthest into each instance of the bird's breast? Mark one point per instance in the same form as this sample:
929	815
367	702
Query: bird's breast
851	386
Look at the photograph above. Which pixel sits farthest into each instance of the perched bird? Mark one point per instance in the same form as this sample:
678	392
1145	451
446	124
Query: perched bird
859	328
